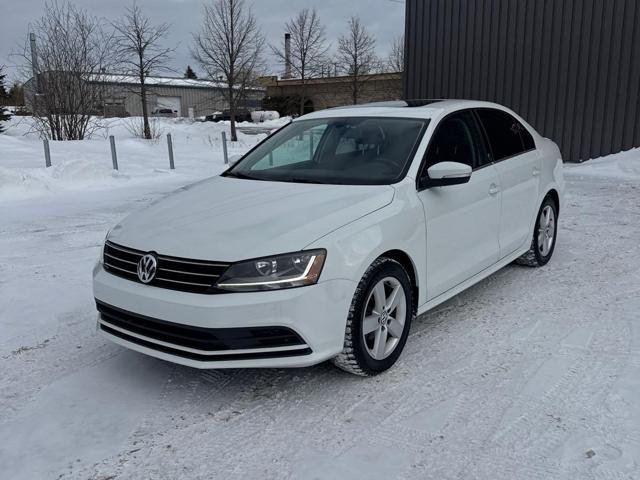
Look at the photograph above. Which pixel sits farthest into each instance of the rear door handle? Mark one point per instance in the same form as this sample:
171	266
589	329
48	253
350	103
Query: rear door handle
535	172
493	189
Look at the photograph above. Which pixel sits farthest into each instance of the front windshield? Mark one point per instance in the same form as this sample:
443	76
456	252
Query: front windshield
351	151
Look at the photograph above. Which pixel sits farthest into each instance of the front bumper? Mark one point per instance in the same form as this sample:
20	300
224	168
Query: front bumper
316	314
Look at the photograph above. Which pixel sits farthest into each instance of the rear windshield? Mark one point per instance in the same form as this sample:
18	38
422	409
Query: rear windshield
350	151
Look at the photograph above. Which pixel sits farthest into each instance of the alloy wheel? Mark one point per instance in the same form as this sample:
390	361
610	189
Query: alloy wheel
546	230
384	318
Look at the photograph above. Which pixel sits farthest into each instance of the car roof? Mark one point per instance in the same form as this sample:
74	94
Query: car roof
421	108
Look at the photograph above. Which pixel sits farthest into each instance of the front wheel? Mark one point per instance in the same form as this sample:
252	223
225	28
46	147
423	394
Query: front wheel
379	319
544	236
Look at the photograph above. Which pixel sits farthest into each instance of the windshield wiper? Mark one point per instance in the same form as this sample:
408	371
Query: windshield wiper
243	176
291	179
301	180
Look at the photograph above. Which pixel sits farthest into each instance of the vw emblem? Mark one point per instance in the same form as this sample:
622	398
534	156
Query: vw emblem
147	267
384	318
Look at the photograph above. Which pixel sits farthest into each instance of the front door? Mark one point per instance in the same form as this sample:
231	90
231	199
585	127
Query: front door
461	220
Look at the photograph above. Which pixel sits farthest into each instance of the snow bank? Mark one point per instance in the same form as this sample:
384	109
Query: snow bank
87	164
622	166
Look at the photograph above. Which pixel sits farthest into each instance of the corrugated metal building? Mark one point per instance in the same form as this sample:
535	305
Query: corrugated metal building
121	95
571	68
166	93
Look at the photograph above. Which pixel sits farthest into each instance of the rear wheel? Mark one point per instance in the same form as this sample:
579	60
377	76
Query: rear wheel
379	319
544	236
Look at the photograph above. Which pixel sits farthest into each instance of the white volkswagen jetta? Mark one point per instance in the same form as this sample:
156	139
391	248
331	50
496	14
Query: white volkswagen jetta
326	239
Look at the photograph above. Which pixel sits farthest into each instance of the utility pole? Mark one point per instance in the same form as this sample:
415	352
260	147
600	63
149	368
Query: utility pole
34	63
287	56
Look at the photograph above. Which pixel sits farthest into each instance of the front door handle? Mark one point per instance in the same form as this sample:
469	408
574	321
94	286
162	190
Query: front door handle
493	189
535	172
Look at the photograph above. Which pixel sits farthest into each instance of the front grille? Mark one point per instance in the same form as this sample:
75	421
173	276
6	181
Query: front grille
183	274
200	343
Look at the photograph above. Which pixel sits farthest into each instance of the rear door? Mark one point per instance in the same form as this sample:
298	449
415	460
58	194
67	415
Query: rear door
461	220
518	164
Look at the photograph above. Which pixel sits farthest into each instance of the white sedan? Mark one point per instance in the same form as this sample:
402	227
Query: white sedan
326	239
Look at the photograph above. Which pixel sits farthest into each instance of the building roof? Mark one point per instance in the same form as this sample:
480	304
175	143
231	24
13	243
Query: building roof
179	82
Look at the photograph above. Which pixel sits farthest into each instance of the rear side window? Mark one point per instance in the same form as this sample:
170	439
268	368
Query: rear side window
507	136
527	139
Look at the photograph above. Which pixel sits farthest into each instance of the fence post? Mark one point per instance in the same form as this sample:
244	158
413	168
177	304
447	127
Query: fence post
224	148
114	156
47	152
170	147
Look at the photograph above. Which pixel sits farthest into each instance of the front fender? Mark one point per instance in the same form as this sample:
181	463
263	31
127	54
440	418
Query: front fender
397	226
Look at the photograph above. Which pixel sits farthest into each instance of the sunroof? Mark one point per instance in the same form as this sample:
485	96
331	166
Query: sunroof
394	103
422	102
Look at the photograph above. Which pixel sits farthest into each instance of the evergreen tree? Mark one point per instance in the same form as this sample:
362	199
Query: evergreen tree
4	114
16	94
190	73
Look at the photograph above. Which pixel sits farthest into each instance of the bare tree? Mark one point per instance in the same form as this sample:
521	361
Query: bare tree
356	53
230	45
139	47
308	53
396	56
72	50
4	96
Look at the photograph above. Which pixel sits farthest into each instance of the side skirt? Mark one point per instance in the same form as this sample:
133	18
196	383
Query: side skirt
443	297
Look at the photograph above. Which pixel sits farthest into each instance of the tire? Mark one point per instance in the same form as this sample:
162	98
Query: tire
541	251
360	350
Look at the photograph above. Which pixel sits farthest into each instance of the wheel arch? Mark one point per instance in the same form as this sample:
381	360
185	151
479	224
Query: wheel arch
553	193
405	260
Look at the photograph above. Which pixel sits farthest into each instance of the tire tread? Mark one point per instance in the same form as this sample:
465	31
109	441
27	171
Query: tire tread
347	359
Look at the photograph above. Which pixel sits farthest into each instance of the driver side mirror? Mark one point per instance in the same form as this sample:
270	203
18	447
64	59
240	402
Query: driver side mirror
446	173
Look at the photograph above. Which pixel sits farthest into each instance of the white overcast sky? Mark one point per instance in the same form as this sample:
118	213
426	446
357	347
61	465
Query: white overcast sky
384	18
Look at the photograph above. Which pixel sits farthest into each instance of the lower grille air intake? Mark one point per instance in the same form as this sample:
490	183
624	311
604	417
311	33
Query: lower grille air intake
198	343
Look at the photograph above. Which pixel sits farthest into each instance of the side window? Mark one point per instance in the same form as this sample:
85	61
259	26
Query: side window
298	149
527	139
457	139
507	136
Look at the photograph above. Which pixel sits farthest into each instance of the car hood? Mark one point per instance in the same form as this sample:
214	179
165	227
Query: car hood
229	219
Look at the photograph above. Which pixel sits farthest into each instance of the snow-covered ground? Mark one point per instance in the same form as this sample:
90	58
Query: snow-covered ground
531	374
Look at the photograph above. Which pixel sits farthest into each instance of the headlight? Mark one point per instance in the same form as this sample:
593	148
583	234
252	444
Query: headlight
271	273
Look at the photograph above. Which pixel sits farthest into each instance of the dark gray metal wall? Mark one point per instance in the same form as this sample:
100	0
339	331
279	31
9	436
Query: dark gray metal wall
571	68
